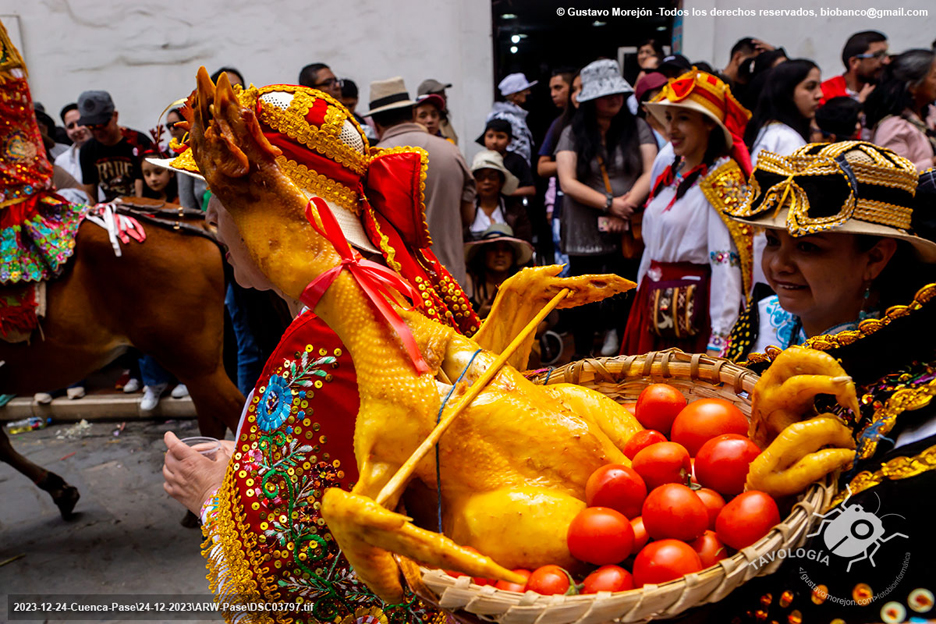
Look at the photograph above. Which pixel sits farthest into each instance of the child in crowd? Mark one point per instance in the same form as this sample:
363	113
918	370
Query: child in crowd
491	259
839	119
428	113
496	137
159	183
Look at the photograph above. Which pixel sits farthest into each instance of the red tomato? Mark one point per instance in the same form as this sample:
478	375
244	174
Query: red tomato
507	585
713	501
477	580
705	419
640	534
723	463
747	518
549	580
674	511
641	440
600	535
617	487
663	561
664	462
710	549
610	578
658	405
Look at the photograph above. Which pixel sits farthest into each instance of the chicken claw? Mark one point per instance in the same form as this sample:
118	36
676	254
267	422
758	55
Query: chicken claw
368	533
793	460
785	392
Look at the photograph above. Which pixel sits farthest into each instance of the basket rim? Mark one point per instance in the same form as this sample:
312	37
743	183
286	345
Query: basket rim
665	364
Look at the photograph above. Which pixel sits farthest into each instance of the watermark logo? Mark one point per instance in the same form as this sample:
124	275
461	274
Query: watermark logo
853	533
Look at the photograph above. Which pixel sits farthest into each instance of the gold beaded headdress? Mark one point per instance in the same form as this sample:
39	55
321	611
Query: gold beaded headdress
850	187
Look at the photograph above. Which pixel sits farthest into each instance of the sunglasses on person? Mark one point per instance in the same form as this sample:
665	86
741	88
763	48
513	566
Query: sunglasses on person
875	55
172	124
331	82
72	125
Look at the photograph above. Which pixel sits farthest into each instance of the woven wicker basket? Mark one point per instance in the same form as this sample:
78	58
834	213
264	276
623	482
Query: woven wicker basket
622	379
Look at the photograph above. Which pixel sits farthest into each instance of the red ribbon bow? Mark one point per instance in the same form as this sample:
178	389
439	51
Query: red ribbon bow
376	280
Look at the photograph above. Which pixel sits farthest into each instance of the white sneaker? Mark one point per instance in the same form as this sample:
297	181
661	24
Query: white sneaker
612	344
132	386
151	396
42	398
77	392
179	392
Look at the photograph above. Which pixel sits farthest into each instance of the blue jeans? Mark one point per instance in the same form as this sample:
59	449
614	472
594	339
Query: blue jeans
152	373
249	362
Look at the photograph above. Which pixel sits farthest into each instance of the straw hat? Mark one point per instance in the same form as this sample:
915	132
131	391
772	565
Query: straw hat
325	152
850	187
489	159
602	78
523	251
706	94
387	95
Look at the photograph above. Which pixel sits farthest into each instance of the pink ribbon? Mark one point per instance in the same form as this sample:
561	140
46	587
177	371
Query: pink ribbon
376	280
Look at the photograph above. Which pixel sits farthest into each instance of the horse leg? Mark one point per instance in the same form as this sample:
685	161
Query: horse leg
63	495
217	401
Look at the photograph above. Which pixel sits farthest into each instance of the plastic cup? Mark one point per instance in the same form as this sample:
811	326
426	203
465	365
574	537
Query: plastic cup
208	447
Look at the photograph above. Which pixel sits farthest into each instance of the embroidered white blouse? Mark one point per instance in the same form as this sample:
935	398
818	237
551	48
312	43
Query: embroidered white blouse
692	231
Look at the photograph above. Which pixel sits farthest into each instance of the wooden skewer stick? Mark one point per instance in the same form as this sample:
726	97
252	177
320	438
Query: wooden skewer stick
406	470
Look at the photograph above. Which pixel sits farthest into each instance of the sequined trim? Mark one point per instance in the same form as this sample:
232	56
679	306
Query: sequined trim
894	470
320	185
724	189
725	257
872	170
377	152
884	419
389	252
292	122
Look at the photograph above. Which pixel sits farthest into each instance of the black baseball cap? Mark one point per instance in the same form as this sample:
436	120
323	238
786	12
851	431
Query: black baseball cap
674	65
498	125
95	107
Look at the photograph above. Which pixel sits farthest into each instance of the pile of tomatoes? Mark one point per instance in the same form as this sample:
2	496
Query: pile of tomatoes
679	508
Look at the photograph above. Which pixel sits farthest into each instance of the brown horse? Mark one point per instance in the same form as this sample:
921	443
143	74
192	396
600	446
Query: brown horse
164	297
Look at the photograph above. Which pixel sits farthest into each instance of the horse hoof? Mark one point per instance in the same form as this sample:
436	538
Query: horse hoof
190	521
66	499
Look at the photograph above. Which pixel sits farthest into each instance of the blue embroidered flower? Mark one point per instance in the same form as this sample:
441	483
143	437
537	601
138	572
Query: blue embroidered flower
275	404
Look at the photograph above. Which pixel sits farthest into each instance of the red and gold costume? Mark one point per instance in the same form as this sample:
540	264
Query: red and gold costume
37	227
266	540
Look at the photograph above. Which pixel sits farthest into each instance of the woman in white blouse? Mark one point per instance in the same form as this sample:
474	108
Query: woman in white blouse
780	123
696	263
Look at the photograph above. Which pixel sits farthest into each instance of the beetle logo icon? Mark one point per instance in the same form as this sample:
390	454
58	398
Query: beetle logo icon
853	533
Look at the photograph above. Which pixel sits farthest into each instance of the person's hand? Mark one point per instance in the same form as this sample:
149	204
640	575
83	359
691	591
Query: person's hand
190	476
616	225
865	92
621	207
762	46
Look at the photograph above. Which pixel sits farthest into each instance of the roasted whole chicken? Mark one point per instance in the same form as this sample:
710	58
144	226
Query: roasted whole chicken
513	465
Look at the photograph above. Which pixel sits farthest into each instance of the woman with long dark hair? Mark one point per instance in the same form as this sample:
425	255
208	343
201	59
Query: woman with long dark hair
780	123
696	262
604	159
788	102
897	108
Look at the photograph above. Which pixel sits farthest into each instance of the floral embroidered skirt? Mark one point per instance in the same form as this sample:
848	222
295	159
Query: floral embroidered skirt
37	237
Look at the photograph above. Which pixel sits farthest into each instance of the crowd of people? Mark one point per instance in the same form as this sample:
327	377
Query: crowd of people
635	179
758	206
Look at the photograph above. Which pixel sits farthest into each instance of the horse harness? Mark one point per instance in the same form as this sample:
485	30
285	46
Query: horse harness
167	218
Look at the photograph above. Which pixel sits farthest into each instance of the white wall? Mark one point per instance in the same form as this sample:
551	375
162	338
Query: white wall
818	38
146	54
